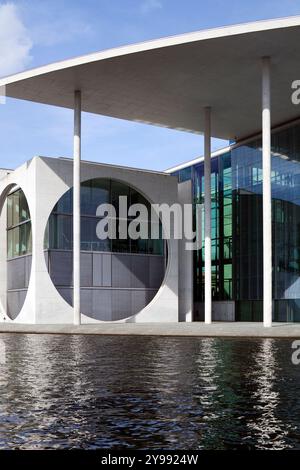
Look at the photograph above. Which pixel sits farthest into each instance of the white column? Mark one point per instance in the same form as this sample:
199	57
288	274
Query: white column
267	198
207	216
76	207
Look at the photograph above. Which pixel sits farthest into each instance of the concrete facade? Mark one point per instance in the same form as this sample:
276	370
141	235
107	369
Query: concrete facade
44	181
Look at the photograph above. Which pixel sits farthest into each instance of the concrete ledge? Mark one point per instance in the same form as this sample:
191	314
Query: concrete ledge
218	329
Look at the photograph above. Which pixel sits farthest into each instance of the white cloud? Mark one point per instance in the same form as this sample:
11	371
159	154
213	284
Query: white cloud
15	41
149	5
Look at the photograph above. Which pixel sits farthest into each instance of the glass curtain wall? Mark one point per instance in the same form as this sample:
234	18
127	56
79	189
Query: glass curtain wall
247	188
237	226
221	229
221	217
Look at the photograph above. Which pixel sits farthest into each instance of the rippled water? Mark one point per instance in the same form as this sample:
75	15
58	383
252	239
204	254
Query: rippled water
148	392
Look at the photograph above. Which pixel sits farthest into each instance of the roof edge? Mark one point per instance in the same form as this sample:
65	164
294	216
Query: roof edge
201	35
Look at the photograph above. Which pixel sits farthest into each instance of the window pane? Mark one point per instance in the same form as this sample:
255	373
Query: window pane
16	242
9	211
60	232
100	194
89	238
10	244
137	198
156	247
24	210
139	246
16	208
86	198
19	233
65	204
117	190
25	239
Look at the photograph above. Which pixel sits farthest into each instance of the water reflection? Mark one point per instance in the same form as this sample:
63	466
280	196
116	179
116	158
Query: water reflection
147	392
270	430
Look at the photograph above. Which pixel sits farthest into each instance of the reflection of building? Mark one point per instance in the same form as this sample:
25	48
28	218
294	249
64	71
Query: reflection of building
217	82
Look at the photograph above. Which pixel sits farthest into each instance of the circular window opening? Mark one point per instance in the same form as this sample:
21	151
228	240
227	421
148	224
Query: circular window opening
119	276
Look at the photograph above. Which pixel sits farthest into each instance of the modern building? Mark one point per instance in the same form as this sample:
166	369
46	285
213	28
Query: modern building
221	83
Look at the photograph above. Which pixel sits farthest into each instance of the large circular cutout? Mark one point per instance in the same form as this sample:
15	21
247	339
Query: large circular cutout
119	277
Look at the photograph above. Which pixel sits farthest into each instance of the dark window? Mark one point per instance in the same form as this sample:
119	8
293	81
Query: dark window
59	233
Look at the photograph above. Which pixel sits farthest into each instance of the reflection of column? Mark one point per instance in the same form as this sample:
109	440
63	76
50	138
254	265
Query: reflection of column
267	198
207	217
268	429
76	207
207	364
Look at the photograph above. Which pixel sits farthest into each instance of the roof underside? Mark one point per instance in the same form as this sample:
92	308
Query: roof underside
168	82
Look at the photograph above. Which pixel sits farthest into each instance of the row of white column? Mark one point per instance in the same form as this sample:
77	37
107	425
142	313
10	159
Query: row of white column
267	206
267	202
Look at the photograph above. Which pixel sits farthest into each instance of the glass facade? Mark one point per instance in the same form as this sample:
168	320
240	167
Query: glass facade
221	224
59	234
19	236
237	237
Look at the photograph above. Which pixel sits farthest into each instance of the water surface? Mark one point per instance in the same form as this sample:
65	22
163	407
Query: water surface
148	392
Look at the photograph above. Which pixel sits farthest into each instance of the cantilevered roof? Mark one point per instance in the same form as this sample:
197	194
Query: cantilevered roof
167	82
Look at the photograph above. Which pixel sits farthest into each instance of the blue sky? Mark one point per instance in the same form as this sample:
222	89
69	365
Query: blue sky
35	32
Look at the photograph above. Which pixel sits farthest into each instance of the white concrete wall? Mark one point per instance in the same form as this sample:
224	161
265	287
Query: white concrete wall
44	181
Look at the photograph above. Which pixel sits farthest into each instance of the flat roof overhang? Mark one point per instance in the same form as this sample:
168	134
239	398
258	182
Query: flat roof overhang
167	82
